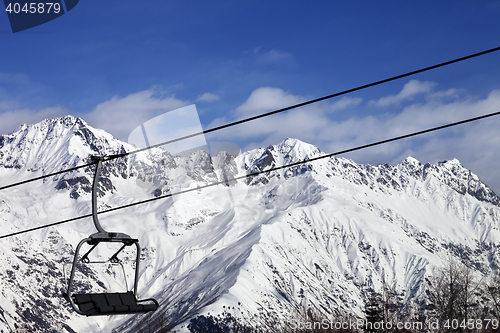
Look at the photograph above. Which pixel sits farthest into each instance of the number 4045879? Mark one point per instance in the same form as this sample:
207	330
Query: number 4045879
473	324
34	7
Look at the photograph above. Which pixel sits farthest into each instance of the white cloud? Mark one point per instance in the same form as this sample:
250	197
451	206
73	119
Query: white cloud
266	99
275	56
15	89
11	120
412	88
344	103
450	94
208	97
309	123
118	116
17	79
6	105
255	50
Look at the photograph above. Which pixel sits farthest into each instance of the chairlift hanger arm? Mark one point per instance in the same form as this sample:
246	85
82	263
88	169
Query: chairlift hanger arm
97	176
103	235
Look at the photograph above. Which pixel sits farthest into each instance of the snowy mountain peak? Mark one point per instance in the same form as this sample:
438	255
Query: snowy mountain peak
412	161
53	143
49	126
451	163
462	180
298	149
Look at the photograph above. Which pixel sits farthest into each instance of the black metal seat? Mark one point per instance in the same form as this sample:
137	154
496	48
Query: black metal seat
112	304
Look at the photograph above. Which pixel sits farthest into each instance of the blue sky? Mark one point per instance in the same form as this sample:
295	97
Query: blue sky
119	63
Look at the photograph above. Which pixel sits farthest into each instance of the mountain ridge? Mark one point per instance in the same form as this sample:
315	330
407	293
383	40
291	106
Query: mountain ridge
13	154
313	236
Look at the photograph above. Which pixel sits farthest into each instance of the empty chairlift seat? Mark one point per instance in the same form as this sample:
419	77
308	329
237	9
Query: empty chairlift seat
95	304
112	303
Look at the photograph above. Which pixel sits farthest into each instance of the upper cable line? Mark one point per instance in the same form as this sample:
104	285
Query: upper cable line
375	83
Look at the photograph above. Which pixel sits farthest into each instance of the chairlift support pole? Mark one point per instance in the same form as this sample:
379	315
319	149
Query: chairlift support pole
97	176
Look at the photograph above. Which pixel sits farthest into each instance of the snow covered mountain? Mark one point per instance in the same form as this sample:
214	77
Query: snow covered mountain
316	236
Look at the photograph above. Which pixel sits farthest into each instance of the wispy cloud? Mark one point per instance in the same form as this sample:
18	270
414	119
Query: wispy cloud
208	97
16	89
266	99
6	105
118	116
255	50
310	124
11	120
412	88
275	56
21	79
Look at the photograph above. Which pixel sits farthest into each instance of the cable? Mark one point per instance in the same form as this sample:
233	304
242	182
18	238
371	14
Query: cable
45	176
319	99
46	226
272	112
262	172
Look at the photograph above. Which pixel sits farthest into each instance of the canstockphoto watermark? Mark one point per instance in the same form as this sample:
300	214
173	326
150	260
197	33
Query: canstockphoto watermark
359	324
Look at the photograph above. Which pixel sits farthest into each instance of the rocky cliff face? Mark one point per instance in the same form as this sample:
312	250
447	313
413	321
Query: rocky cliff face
318	235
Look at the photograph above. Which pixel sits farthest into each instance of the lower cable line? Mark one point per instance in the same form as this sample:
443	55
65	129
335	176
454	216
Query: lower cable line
259	172
46	176
46	226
